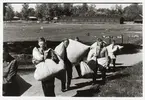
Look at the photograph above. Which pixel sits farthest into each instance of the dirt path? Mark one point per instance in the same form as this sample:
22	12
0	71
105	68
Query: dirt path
77	84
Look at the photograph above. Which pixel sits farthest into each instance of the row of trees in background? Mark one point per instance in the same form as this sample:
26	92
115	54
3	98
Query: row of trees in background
45	11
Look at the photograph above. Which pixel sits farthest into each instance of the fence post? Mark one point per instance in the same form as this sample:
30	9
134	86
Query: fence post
122	38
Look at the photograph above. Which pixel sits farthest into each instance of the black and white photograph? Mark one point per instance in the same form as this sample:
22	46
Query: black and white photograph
72	49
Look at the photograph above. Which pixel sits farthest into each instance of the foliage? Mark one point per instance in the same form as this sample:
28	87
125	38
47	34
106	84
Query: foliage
132	11
31	12
47	11
9	12
18	14
25	11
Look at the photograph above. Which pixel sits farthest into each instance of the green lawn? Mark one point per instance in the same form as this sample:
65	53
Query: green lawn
57	32
125	83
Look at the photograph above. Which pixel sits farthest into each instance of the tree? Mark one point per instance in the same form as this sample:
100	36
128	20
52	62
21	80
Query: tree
119	10
25	11
84	9
80	10
132	11
31	12
9	12
43	11
112	11
18	14
76	10
67	9
91	10
4	8
56	10
39	11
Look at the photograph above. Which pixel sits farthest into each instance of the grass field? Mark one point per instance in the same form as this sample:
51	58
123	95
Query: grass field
130	85
25	33
125	83
57	32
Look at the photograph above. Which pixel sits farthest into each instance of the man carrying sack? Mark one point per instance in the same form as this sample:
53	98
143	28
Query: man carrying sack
101	60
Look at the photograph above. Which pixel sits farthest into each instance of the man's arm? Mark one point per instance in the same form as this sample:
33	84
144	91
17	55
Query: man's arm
35	61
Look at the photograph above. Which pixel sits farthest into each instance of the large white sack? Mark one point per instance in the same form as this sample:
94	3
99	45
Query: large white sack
48	69
92	51
85	69
102	61
89	67
60	50
36	54
76	51
93	45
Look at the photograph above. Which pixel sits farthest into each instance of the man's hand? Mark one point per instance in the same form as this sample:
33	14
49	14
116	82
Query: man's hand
34	61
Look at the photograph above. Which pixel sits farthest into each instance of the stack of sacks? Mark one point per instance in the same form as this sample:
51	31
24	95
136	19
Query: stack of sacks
48	68
88	67
76	51
111	52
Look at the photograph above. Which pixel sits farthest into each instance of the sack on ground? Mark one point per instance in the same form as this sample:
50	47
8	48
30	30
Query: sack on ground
76	51
48	69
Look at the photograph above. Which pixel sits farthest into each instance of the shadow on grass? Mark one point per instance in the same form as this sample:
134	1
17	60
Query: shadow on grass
96	88
87	92
117	76
80	85
118	68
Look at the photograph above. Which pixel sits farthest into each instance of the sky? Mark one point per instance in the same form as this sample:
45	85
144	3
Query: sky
17	7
